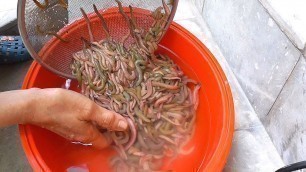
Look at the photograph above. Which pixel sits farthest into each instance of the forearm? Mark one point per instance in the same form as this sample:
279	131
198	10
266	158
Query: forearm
16	107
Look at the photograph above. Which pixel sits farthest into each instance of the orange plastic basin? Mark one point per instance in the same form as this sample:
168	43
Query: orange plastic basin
47	151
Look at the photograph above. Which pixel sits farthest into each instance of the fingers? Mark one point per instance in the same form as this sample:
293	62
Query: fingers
109	120
94	113
99	140
90	135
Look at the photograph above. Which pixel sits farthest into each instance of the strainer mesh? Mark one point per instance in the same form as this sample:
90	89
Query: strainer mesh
56	55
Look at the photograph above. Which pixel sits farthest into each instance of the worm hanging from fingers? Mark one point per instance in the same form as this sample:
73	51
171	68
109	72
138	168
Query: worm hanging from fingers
133	134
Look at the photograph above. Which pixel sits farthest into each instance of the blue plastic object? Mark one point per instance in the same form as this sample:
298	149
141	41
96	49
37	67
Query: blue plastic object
12	50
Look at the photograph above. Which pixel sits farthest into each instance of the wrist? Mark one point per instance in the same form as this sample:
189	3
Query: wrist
40	105
32	99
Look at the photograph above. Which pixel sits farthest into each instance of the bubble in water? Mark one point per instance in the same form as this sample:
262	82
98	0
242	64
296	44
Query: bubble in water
67	84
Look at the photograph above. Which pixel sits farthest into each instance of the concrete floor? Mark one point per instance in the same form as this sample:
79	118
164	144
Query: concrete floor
268	65
12	157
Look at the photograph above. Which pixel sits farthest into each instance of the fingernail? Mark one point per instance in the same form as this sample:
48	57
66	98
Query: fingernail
122	125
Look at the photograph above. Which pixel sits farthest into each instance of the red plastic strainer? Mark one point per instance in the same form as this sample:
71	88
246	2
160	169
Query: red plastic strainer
38	20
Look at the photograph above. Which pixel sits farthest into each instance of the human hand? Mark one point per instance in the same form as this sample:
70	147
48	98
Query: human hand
73	116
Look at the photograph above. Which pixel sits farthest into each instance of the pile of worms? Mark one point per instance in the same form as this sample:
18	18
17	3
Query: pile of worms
158	101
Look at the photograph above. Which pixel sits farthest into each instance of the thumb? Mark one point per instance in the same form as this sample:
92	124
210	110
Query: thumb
109	120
